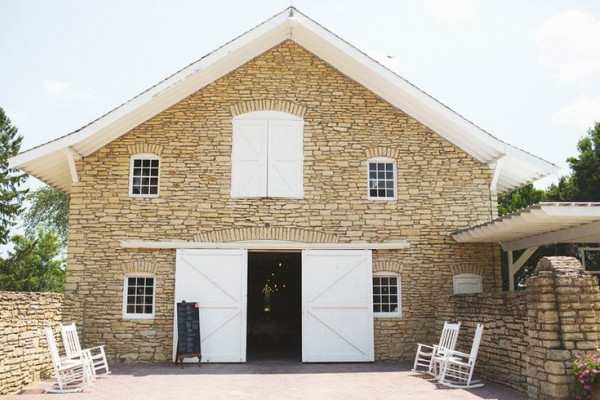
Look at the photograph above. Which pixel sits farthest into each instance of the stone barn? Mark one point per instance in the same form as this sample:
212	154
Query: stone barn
298	191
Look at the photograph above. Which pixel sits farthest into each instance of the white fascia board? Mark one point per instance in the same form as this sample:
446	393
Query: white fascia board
571	211
541	164
268	32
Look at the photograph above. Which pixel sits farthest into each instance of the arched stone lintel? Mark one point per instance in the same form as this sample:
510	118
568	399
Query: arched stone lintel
144	148
382	152
284	234
268	105
387	266
458	269
140	267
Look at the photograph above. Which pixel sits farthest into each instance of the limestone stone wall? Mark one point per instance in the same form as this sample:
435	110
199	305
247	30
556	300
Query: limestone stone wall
502	353
562	322
440	189
24	355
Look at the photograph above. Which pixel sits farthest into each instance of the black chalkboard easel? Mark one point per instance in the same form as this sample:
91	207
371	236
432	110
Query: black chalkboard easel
188	332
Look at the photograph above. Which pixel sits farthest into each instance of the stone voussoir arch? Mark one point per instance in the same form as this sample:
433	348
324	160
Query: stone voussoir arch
145	148
271	233
268	105
140	267
382	151
466	268
387	266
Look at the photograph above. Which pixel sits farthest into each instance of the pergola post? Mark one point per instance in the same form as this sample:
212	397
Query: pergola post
513	267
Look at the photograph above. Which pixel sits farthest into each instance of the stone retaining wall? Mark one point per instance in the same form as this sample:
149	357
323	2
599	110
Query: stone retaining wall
531	337
24	355
501	357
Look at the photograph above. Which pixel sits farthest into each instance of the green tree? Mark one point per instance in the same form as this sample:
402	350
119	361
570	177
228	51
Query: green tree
586	167
34	265
48	210
520	198
10	179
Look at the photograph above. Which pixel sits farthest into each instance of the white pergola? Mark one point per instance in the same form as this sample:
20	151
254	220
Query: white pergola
535	226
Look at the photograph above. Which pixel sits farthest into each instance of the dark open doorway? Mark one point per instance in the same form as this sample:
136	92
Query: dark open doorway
274	306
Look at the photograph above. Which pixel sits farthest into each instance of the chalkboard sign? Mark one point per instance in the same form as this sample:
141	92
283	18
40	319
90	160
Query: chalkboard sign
188	332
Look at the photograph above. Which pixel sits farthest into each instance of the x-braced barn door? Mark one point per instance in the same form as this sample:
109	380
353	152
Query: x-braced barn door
216	279
337	306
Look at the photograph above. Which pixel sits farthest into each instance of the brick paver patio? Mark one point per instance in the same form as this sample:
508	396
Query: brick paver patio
270	380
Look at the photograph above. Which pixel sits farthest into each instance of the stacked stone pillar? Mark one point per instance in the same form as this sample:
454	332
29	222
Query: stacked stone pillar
562	299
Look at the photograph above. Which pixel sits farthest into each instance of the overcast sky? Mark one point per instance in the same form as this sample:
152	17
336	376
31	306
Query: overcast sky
528	72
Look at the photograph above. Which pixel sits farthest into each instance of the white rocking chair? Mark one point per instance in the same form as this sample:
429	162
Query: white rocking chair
456	368
72	374
73	349
426	354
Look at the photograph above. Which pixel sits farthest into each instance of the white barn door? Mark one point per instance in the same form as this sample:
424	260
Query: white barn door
337	306
217	280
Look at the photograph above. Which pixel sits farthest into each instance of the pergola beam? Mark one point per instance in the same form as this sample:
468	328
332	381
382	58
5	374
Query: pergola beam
572	234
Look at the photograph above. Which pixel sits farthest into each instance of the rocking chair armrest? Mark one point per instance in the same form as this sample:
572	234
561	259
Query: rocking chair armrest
453	353
101	347
425	345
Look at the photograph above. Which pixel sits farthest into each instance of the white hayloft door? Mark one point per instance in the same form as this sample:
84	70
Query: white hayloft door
217	281
337	306
267	155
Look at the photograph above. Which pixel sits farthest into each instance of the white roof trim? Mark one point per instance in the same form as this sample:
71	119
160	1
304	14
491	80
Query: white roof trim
519	167
537	225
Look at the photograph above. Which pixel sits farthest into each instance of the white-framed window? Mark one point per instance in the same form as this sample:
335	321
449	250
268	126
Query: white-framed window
467	283
139	296
590	259
382	179
267	155
387	296
144	175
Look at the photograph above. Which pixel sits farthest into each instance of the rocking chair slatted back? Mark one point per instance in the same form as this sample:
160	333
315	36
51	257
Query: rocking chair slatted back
70	339
449	336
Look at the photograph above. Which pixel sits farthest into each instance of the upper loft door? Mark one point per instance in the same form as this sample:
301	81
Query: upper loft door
216	280
337	306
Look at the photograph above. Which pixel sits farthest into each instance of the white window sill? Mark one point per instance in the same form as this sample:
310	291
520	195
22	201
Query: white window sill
139	316
387	315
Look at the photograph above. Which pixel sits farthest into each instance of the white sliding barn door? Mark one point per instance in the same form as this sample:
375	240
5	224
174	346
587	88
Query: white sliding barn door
217	280
337	306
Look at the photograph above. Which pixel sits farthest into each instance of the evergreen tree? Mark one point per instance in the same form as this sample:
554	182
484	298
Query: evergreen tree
10	179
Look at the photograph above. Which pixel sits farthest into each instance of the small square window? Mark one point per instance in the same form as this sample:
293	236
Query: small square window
386	299
138	298
144	176
382	180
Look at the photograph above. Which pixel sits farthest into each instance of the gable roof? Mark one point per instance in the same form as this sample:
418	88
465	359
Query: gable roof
53	162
